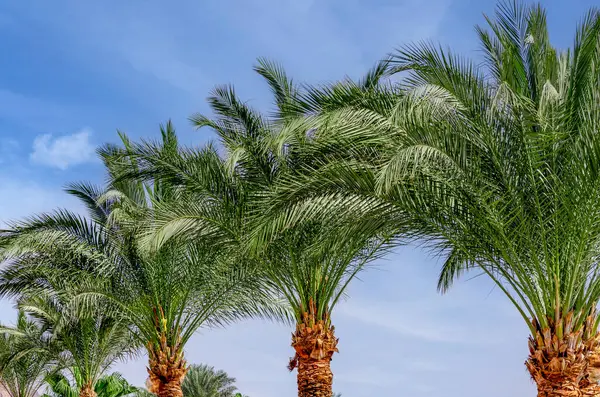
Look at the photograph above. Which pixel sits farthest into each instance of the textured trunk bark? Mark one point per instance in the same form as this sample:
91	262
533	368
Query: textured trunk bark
168	389
166	366
558	388
558	361
315	343
87	391
315	378
166	369
589	385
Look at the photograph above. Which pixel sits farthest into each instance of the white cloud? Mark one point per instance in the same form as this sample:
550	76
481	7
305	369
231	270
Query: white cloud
63	151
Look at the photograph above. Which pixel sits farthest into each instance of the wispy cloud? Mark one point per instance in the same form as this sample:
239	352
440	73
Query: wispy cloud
20	198
315	40
419	313
409	323
371	376
63	151
330	38
33	112
426	366
8	150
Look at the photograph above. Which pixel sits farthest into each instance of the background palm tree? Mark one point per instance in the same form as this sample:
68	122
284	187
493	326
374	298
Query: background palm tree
162	295
205	381
113	385
88	342
495	166
45	279
23	367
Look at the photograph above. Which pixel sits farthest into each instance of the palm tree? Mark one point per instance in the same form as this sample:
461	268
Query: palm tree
113	385
164	296
307	267
23	369
205	381
87	342
496	166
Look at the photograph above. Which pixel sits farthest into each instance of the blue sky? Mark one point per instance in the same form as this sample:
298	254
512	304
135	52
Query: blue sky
74	72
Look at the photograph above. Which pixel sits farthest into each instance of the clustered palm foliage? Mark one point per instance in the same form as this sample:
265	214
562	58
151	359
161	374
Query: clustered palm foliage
89	342
205	381
484	162
113	385
493	164
25	358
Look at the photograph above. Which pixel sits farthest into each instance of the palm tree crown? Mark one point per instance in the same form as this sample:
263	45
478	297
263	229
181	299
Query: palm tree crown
25	359
494	165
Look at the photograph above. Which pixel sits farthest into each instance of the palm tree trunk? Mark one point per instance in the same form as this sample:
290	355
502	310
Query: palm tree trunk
315	343
87	390
314	378
166	369
557	361
555	374
589	385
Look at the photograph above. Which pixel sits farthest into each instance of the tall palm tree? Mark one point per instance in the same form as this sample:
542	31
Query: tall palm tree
164	296
311	263
308	267
23	368
495	165
113	385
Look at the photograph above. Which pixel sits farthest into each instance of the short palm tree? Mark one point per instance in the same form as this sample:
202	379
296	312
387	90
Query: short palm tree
46	282
497	166
113	385
306	267
164	296
23	368
88	342
205	381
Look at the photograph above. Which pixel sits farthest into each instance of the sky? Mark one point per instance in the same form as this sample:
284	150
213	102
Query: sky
73	73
